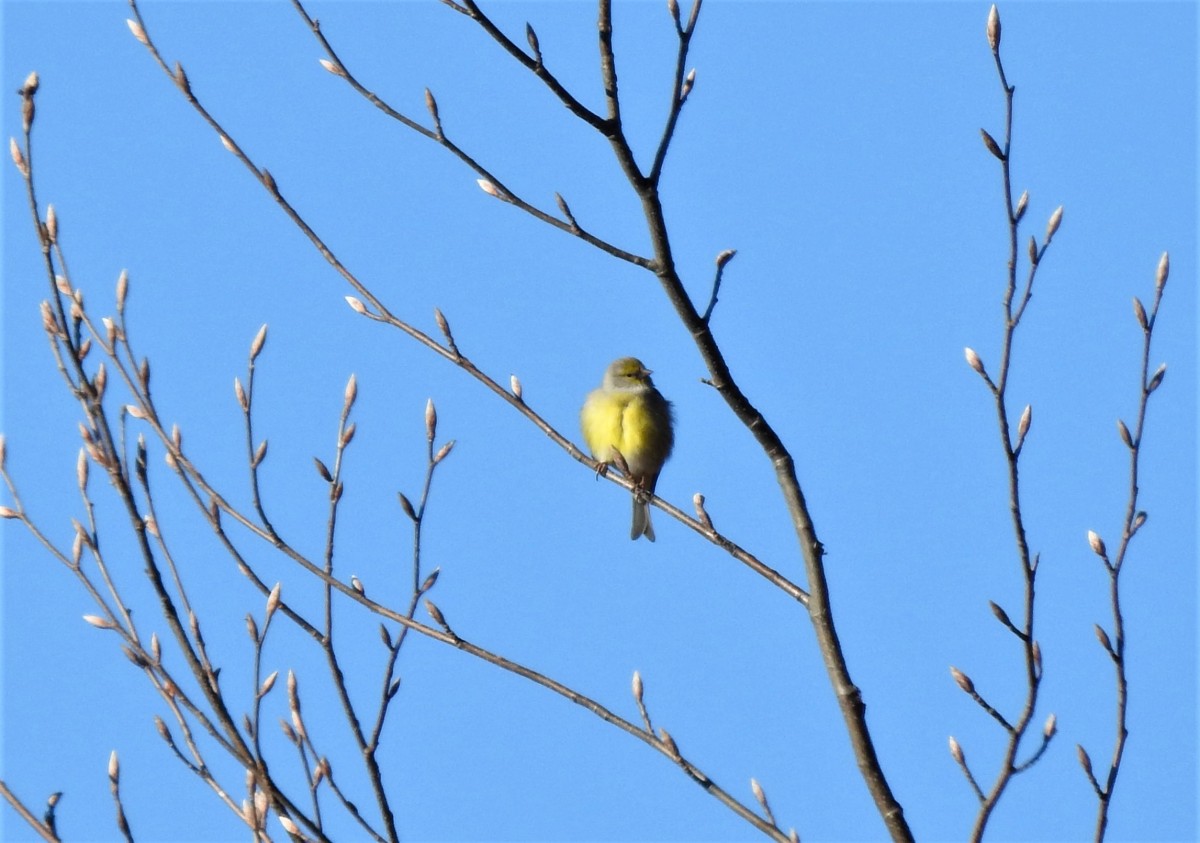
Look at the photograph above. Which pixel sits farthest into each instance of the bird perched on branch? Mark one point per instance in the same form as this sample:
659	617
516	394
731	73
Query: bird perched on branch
627	423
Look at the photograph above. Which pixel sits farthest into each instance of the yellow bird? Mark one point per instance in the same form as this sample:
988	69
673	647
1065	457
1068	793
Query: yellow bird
627	415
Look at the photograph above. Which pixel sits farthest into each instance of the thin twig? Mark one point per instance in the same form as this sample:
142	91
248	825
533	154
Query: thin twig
1011	446
1133	521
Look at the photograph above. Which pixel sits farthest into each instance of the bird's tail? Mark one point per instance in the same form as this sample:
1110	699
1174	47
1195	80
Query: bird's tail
641	520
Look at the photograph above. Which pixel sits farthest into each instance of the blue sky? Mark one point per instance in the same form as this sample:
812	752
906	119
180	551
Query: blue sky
836	147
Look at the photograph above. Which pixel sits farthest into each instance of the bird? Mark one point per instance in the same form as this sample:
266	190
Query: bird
626	422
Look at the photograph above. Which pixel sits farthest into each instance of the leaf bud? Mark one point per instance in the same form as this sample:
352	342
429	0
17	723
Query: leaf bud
444	451
973	360
962	680
1157	378
991	144
430	420
407	506
1140	312
138	32
1125	435
956	751
256	346
993	28
1164	268
1054	223
430	580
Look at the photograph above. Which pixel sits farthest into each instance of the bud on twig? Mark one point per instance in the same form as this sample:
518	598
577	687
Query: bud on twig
973	360
273	599
1125	435
288	826
962	680
993	28
322	470
332	67
991	144
1084	760
436	614
430	580
114	768
138	32
444	451
1054	223
1097	544
1157	378
1102	637
407	506
956	750
515	383
267	685
489	188
1140	312
566	211
670	743
532	38
1164	268
97	621
52	224
356	584
430	420
351	390
181	80
256	346
1033	250
1000	614
17	157
689	82
638	688
1051	728
1023	424
1021	205
100	381
431	104
356	305
122	289
761	796
240	393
